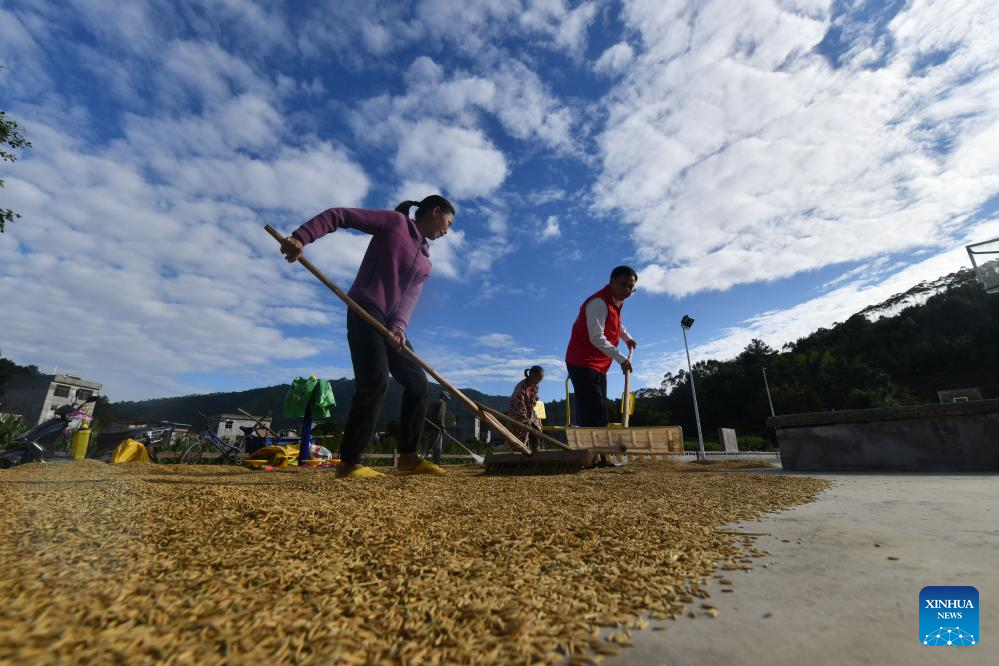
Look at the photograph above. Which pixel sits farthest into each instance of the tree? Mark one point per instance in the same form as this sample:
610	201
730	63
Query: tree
11	140
331	433
104	414
8	369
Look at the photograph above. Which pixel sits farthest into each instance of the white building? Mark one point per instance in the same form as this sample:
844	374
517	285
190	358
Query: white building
227	426
36	397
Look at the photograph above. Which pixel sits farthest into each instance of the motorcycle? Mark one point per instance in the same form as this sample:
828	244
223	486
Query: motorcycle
49	440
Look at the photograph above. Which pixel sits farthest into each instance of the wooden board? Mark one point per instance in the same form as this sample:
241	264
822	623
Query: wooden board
651	440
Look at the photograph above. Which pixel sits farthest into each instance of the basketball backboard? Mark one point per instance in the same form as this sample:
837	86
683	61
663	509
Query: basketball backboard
985	260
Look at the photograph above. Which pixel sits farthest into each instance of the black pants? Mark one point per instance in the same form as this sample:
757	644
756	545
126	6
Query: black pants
590	387
435	443
373	359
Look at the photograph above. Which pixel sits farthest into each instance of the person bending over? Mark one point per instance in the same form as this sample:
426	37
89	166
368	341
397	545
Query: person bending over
388	285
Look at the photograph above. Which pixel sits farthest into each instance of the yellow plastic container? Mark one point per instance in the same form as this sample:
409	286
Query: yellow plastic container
81	440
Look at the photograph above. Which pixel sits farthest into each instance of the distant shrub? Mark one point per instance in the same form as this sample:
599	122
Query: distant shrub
692	445
754	443
11	426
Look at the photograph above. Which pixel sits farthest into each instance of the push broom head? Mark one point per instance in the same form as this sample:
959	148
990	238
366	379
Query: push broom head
540	463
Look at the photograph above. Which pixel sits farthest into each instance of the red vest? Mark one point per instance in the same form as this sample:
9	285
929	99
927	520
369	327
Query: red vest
581	351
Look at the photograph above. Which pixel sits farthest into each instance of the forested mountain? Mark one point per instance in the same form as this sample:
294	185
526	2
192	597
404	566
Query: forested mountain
941	334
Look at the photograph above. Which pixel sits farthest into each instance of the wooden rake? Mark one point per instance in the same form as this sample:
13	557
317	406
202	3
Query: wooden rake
491	421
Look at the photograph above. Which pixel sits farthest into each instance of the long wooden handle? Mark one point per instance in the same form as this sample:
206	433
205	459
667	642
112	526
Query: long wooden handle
260	424
512	421
626	398
378	326
444	432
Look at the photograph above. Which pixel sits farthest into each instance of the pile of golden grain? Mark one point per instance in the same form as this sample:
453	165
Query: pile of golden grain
141	563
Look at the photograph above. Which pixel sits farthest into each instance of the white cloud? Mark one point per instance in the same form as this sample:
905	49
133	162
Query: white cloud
481	257
502	340
22	54
551	228
509	91
737	154
615	59
472	25
177	277
528	109
306	180
463	160
475	29
298	316
546	196
567	26
135	27
205	71
251	23
247	122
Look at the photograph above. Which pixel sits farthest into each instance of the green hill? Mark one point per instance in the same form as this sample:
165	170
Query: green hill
270	400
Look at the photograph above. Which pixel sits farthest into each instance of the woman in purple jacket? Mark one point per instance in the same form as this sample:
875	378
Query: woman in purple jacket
387	286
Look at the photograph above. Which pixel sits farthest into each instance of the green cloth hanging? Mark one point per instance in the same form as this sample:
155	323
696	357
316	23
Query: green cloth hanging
302	391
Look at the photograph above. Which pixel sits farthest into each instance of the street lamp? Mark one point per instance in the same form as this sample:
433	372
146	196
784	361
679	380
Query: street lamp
767	384
686	323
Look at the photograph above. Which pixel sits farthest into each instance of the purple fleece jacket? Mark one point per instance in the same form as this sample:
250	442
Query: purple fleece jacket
395	265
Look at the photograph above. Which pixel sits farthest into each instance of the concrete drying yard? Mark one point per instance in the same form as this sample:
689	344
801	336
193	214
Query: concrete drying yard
842	579
142	563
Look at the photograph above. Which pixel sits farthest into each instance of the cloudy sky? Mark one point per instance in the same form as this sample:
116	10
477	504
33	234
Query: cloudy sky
768	166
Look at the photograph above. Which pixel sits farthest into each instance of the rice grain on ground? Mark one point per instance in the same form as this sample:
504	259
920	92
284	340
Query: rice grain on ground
143	563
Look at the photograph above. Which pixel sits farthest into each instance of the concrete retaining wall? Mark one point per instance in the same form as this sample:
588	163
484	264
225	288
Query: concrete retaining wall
939	438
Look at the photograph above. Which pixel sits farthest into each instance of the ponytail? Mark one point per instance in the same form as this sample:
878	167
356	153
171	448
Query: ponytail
426	206
404	207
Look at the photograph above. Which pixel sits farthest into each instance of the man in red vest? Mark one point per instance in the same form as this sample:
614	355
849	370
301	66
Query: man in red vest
593	346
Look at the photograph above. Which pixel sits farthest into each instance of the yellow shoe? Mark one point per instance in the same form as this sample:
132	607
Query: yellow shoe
364	473
424	467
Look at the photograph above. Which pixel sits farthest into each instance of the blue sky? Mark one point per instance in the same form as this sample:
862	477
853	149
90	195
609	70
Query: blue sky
769	167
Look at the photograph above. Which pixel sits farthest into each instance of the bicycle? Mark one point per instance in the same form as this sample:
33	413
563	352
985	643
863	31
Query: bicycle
153	437
229	453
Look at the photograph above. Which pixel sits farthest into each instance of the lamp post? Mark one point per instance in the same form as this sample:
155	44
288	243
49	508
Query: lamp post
769	399
686	323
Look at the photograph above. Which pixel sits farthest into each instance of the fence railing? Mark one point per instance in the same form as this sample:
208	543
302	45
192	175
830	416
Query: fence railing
212	455
165	456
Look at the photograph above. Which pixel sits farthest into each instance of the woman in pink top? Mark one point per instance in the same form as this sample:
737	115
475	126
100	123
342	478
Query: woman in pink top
387	286
523	400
